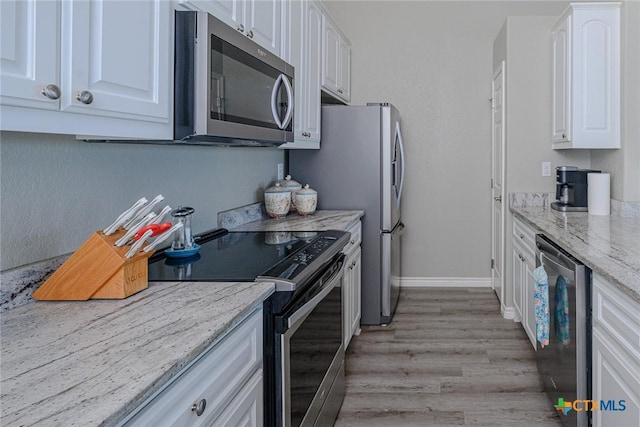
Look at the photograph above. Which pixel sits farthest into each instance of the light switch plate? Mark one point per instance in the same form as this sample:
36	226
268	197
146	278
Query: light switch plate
280	171
546	168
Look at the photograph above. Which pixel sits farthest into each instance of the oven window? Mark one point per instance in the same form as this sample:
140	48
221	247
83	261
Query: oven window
312	349
241	87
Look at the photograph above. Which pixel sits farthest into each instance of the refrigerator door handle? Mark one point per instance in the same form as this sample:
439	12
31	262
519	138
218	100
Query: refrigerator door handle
401	145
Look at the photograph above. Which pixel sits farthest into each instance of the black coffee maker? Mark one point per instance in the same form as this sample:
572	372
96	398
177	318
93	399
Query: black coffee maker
571	189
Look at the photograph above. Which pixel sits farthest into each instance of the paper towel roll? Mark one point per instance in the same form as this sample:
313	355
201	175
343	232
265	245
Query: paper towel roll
598	193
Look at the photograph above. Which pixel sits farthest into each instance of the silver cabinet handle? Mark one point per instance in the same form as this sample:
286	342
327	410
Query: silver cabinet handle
564	136
250	34
498	198
340	91
240	28
522	236
51	91
199	407
85	97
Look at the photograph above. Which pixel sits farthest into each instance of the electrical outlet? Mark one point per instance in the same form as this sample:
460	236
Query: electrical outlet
546	168
280	171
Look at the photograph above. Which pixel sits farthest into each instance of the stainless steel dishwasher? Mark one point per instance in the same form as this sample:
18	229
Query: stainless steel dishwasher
565	364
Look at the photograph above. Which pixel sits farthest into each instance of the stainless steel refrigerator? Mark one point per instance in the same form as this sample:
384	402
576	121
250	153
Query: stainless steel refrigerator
360	165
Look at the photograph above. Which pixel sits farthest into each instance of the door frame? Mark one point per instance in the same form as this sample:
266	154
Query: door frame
499	72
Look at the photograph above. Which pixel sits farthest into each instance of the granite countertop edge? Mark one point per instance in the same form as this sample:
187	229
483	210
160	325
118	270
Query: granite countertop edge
605	244
103	362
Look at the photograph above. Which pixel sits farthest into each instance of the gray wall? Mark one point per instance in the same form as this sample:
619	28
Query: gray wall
433	60
55	191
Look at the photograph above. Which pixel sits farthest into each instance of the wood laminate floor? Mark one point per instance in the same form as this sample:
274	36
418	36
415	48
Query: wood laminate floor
447	358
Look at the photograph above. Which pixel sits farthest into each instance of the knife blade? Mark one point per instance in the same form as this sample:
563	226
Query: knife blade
124	217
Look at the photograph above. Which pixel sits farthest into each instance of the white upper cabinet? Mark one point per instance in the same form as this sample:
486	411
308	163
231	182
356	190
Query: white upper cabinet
336	61
99	68
302	48
260	20
586	77
29	54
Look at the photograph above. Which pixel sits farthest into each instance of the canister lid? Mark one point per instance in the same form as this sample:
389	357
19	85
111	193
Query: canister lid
277	188
182	211
289	183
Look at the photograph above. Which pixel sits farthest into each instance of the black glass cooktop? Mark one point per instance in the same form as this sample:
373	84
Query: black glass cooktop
229	256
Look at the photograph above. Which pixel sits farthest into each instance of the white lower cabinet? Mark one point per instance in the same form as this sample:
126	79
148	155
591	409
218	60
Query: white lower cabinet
352	285
615	356
222	387
523	259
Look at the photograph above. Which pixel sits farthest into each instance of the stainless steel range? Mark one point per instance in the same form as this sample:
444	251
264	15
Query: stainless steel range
303	350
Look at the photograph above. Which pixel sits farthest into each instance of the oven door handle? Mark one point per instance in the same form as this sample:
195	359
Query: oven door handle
305	310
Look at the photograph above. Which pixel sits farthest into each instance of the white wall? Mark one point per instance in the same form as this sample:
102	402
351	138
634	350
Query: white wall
433	60
55	191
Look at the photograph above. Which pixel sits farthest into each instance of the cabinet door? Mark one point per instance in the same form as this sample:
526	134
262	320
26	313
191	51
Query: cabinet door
231	12
313	69
517	280
356	294
615	377
247	408
561	106
351	295
529	314
345	71
263	23
116	56
29	53
330	56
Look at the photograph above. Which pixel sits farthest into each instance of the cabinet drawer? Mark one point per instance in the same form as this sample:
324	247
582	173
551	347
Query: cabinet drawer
615	314
525	234
215	378
356	237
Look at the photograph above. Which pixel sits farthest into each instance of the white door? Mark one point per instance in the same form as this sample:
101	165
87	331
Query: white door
263	23
497	181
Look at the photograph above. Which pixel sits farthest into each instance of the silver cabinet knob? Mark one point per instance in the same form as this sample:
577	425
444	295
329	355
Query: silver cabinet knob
240	28
498	198
199	407
564	136
250	34
51	91
340	91
522	236
85	97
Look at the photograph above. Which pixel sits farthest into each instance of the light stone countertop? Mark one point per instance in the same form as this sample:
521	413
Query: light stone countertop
320	221
608	245
90	363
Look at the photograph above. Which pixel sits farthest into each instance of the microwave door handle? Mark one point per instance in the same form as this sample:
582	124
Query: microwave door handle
289	89
401	145
274	101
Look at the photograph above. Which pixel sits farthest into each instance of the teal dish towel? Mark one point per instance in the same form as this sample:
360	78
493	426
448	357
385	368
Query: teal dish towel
561	315
541	305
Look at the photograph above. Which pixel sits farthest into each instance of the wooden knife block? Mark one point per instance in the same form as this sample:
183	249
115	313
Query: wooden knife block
97	270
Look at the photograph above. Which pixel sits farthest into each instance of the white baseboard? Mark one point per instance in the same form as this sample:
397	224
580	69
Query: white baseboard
509	313
445	282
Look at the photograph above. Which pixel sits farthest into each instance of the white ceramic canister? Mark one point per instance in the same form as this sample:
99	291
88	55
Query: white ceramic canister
292	186
306	200
277	201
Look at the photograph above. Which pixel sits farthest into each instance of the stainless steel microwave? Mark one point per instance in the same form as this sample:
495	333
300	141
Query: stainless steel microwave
228	89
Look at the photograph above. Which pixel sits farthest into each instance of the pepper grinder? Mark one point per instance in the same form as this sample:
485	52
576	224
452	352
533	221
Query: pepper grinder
183	239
